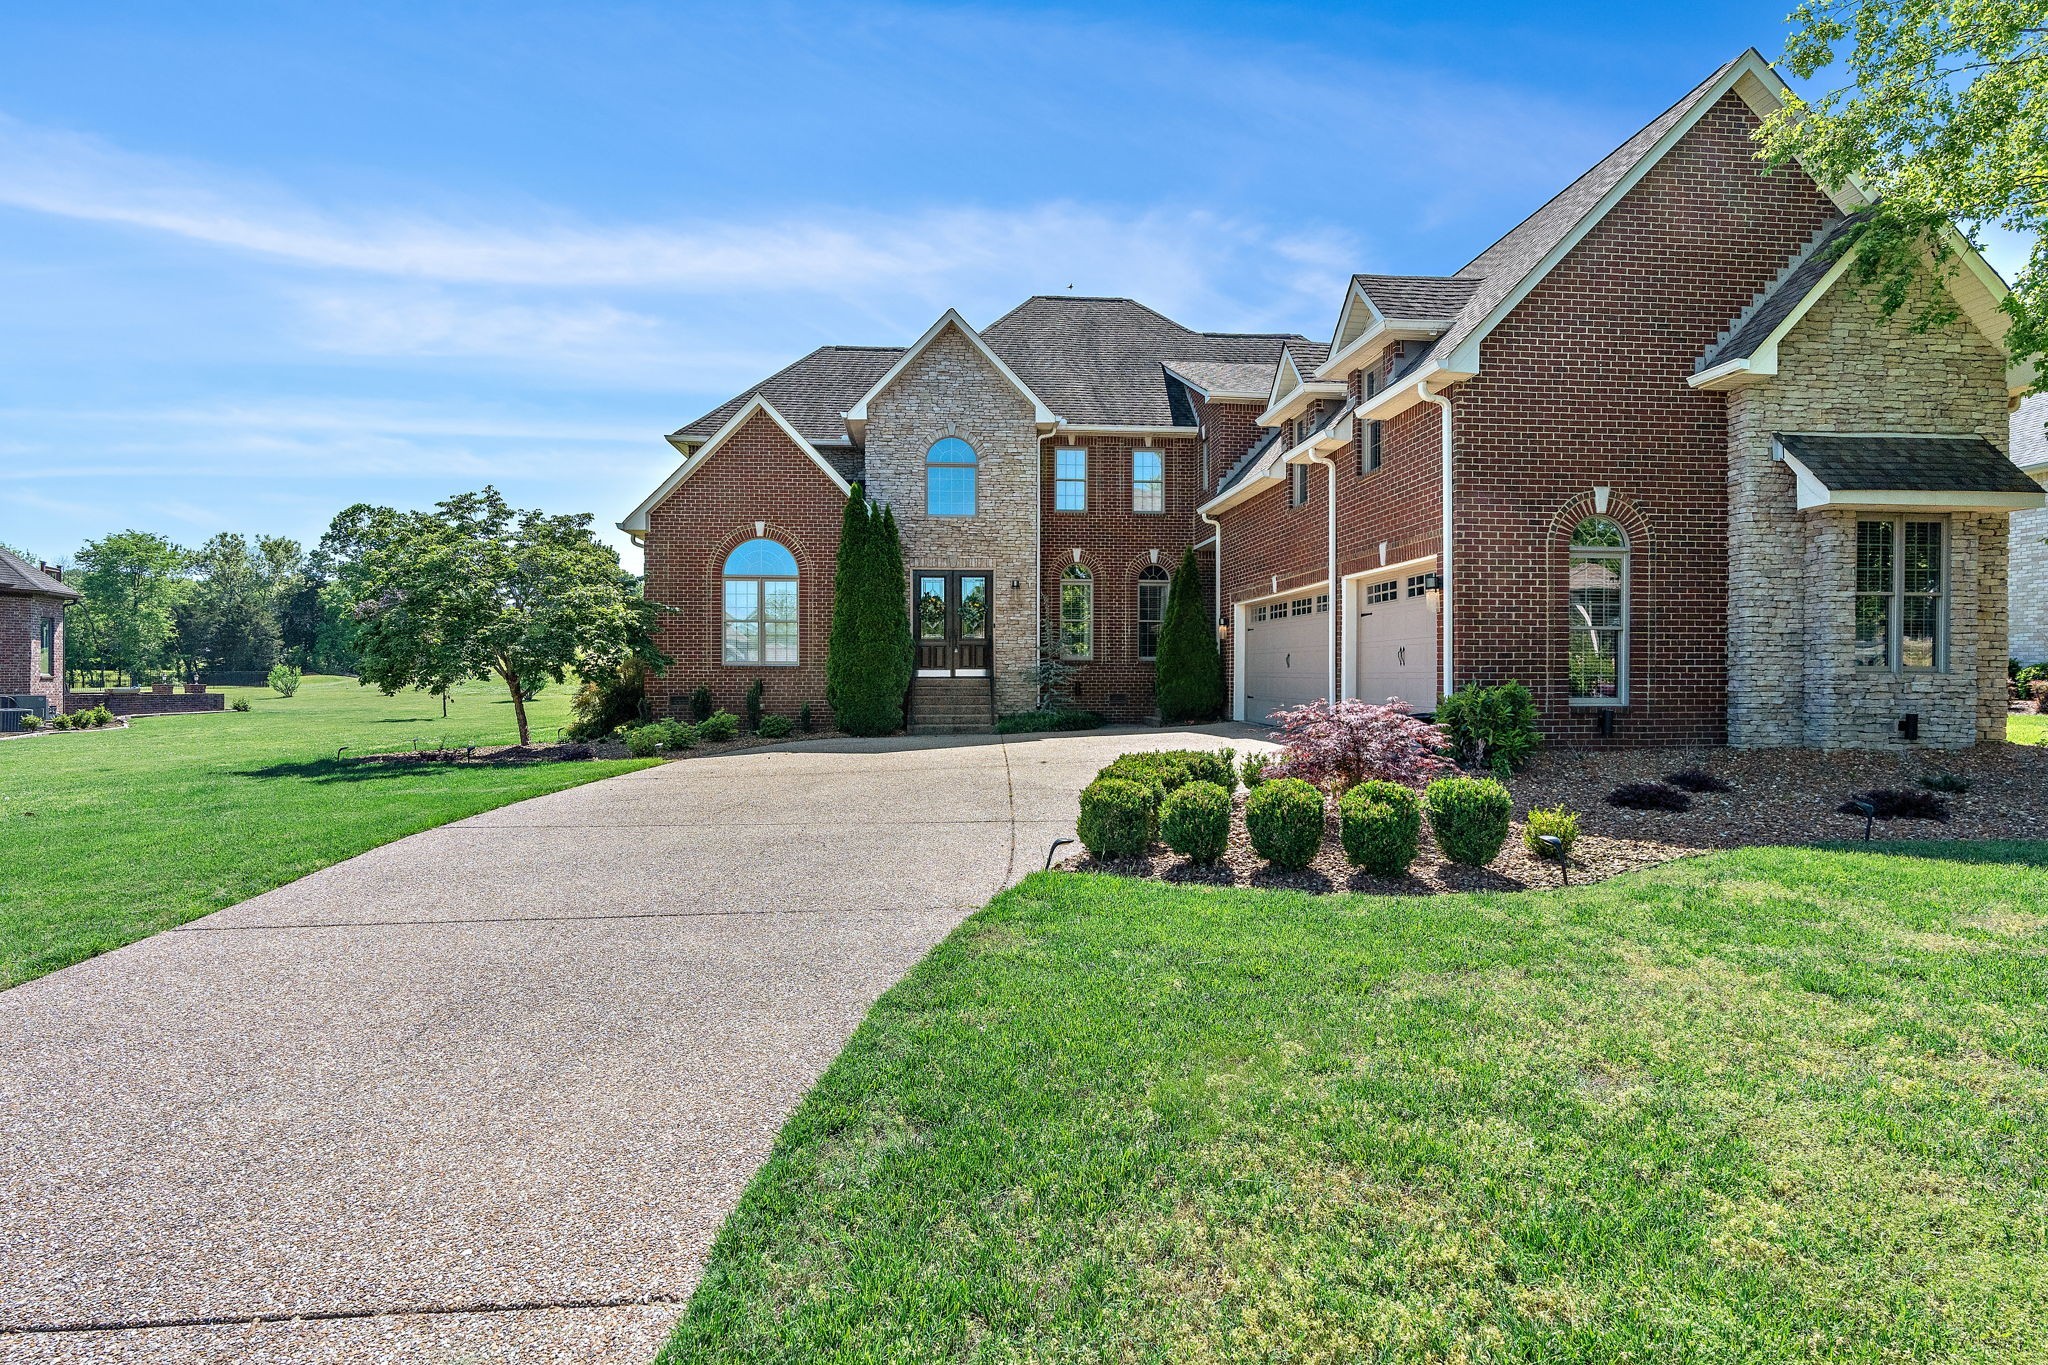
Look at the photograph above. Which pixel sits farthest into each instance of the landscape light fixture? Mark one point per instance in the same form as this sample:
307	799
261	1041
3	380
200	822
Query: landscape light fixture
1867	811
1054	849
1555	846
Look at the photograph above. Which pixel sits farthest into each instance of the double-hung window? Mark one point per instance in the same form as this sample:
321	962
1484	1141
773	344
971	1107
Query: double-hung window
760	625
1371	450
1901	595
1597	611
1070	480
1148	480
1297	488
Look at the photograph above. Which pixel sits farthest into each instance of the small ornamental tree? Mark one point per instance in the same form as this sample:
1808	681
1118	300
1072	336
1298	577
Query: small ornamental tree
1340	745
477	589
867	664
1189	670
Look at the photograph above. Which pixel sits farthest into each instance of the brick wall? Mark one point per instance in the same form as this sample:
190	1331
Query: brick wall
1116	544
1583	385
1228	431
146	703
758	476
21	674
950	389
1792	672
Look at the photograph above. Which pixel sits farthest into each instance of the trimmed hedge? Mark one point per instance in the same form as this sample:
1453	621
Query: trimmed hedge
1168	770
1117	817
1036	722
1284	817
1381	827
1195	821
1469	816
775	727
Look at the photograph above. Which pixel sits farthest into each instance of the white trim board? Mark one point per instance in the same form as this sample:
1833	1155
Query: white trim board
635	524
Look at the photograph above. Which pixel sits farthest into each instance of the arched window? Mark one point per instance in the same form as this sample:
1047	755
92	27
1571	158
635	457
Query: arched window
760	604
1077	613
1151	610
949	475
1597	611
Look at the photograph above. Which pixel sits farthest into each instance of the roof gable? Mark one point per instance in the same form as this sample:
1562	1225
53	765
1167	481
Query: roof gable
811	393
635	523
857	415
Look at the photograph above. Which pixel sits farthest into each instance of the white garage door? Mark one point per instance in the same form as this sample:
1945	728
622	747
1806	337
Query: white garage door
1396	638
1286	644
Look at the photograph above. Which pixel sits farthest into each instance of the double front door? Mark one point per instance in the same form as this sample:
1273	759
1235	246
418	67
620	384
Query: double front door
952	623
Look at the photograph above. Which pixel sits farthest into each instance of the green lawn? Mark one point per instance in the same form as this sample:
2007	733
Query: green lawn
110	836
2027	729
1769	1105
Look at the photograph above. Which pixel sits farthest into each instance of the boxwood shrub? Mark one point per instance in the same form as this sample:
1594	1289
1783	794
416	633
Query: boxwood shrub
1037	722
1381	826
1469	816
1284	817
776	727
643	741
718	725
1168	770
1195	821
1562	823
1117	817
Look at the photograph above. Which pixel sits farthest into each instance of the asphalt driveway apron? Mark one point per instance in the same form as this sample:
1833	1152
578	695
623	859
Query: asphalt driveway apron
485	1093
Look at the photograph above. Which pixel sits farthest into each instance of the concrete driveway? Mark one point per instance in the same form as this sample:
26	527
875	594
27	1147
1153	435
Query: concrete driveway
486	1093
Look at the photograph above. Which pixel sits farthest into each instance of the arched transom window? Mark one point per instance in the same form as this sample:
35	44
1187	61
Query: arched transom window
760	604
1597	611
949	478
1077	613
1151	610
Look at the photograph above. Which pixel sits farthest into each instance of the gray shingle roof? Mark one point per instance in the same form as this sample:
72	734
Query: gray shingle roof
1498	269
2029	439
1100	360
1927	464
1228	376
18	576
812	393
1092	360
1416	296
1801	277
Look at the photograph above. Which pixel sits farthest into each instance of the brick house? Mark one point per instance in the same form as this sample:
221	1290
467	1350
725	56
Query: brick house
32	602
1647	453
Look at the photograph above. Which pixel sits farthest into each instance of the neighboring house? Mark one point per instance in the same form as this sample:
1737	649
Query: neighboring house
1699	489
32	602
2027	588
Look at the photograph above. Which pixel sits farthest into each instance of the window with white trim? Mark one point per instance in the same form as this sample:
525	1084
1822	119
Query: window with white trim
46	646
1901	620
1371	447
1070	480
1077	613
1597	613
1152	584
759	618
950	476
1297	489
1148	480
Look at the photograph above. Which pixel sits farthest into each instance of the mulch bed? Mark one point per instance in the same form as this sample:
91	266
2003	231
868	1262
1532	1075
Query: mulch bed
1779	796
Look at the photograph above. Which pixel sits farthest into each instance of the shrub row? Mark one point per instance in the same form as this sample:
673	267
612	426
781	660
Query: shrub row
1037	722
645	741
89	719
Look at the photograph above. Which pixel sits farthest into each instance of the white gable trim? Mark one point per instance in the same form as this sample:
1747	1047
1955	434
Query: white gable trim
635	524
1750	77
857	415
1286	398
1974	286
1354	299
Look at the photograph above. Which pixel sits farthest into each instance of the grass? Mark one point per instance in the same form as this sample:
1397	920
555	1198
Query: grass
2027	729
1773	1104
110	836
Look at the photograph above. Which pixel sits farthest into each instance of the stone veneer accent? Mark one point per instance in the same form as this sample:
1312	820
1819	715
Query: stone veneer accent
1791	575
2028	592
950	389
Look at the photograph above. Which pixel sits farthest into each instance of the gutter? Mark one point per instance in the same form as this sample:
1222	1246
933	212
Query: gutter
1444	550
1330	645
1216	535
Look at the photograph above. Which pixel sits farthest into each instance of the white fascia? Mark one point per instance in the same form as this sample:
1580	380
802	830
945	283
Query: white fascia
1366	348
857	416
635	524
1401	395
1111	429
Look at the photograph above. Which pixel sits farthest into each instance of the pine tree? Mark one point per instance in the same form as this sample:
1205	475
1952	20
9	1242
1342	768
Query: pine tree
1189	671
867	665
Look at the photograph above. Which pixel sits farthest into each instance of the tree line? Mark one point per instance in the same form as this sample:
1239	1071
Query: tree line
153	610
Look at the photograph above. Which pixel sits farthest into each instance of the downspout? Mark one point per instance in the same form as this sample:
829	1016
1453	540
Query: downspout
1216	528
1216	621
1443	559
1330	646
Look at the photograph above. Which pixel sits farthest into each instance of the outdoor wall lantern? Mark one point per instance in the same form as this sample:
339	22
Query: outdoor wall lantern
1433	590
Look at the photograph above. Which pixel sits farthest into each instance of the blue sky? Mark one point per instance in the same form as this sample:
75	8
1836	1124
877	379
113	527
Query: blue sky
259	262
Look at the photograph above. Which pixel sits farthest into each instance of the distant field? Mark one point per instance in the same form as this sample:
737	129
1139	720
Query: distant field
111	836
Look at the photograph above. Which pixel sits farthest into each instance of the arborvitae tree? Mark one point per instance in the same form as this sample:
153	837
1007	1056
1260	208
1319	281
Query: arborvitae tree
867	666
1189	671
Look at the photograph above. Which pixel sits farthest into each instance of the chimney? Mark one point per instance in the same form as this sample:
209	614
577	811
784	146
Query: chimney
52	570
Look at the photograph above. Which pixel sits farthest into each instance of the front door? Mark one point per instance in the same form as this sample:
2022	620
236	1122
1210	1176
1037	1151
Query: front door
952	624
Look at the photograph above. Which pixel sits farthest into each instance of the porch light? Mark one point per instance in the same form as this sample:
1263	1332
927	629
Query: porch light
1433	590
